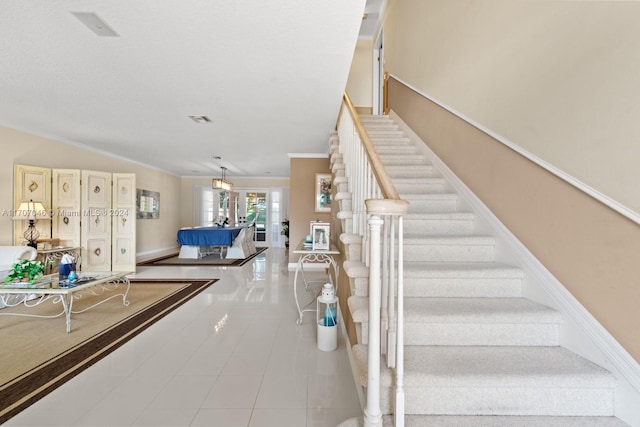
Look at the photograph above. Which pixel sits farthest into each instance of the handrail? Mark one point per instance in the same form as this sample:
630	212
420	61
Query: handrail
384	181
375	214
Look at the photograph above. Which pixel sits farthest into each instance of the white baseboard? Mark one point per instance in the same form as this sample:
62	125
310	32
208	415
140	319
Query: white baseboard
142	256
583	334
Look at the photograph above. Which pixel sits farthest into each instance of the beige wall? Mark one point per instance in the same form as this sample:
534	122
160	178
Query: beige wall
302	197
26	149
558	78
592	250
360	79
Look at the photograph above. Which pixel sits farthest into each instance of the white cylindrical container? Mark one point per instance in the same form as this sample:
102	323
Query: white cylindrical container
327	319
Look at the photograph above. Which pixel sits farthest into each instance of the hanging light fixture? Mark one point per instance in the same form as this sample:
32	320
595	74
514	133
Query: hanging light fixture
222	183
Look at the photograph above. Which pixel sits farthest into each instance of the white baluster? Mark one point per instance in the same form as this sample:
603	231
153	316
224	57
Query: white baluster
372	413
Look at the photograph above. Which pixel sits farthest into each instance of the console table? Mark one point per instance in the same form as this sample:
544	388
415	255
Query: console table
52	257
321	258
64	293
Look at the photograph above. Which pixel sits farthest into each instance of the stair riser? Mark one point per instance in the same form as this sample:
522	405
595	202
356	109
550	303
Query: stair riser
399	161
396	149
422	187
385	134
480	334
345	205
449	253
416	172
453	288
461	288
353	252
420	206
343	187
440	226
503	401
347	225
361	287
475	334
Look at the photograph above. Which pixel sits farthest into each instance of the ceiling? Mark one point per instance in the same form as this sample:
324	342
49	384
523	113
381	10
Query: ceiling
269	76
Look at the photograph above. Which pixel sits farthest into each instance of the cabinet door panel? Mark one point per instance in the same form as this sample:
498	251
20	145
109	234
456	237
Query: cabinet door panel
66	206
97	255
124	222
31	183
96	221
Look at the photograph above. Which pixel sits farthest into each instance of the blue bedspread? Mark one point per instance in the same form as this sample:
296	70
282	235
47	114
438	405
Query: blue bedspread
208	236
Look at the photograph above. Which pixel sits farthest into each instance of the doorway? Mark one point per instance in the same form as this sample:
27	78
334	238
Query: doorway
251	207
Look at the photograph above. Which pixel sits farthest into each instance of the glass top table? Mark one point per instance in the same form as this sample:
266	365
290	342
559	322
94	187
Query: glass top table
50	288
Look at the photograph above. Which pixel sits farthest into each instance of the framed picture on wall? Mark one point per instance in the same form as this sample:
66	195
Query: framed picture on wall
323	192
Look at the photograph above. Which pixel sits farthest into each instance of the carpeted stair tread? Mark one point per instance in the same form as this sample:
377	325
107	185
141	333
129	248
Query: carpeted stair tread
487	367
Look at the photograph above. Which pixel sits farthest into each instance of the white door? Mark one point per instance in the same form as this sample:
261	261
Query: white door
252	206
95	233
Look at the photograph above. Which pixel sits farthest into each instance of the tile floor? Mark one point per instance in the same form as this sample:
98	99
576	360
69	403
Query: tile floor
232	356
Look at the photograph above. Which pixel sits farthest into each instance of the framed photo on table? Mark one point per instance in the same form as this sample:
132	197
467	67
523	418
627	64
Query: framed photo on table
323	192
320	236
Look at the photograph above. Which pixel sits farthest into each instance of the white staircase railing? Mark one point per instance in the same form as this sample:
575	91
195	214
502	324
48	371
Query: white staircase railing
377	219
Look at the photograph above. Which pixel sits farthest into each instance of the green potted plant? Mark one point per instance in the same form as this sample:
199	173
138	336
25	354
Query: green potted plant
285	231
25	271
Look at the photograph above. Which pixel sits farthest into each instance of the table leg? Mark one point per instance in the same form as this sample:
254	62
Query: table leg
67	303
295	291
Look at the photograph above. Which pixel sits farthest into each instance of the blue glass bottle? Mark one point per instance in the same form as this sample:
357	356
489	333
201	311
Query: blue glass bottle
330	316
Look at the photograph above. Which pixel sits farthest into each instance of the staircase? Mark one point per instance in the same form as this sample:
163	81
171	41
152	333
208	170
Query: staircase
477	353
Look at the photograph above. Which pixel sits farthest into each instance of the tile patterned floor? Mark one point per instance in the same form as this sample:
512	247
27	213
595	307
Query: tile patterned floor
232	356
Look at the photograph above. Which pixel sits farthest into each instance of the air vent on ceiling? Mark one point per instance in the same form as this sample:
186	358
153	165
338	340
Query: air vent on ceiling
200	119
95	24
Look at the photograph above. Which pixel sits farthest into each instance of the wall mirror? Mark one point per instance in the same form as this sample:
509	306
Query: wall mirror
147	204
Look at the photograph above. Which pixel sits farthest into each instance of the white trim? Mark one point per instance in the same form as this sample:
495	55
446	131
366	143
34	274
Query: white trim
602	198
141	256
601	347
308	155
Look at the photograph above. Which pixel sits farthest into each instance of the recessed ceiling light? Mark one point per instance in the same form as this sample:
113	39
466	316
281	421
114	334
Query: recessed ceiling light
200	119
95	24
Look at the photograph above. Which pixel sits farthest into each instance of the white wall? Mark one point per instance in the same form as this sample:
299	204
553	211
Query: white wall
359	85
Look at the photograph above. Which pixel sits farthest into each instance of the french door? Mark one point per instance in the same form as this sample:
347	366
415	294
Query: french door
251	206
